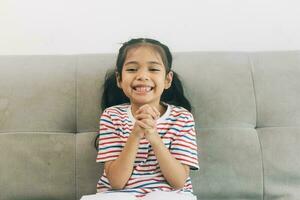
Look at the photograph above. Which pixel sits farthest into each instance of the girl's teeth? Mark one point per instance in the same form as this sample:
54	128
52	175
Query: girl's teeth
143	89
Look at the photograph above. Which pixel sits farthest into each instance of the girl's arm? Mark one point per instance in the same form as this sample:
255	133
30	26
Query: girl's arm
173	170
119	171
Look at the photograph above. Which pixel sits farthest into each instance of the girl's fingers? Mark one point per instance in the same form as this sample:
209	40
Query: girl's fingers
142	108
147	123
143	125
149	110
143	116
150	113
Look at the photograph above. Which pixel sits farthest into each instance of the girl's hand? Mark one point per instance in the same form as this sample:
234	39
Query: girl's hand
138	131
146	117
147	109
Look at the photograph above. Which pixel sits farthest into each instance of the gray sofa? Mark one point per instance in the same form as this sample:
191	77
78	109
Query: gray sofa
246	106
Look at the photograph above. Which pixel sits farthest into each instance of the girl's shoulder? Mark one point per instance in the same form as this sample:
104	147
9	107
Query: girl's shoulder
120	109
180	112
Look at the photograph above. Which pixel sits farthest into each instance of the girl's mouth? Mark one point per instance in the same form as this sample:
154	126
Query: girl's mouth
142	89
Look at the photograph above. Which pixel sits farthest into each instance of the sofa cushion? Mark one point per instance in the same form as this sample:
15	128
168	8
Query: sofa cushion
37	165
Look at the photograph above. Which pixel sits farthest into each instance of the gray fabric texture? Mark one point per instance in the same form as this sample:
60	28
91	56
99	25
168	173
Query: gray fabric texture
246	108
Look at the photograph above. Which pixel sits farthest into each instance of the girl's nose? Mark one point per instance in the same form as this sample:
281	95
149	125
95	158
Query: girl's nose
142	76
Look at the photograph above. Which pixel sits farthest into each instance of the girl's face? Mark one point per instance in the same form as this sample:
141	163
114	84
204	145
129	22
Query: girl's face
144	76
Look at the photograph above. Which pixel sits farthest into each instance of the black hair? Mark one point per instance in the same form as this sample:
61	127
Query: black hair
113	95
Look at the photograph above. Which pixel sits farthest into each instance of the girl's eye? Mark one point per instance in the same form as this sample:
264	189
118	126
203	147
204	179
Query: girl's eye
155	69
130	69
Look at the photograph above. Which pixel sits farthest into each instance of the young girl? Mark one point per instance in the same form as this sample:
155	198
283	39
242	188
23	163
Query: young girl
147	137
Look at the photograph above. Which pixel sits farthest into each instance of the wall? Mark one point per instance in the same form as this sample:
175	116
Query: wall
95	26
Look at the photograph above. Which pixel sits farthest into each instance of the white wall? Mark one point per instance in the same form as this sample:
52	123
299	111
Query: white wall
96	26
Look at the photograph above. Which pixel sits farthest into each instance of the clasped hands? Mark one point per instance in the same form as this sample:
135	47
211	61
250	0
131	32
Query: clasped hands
145	125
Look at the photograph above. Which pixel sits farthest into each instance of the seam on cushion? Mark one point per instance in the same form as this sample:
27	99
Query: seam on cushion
251	68
262	163
76	95
76	125
256	111
238	127
75	167
33	132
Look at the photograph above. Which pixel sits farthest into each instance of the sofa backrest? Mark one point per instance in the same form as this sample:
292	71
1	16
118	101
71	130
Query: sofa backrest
246	107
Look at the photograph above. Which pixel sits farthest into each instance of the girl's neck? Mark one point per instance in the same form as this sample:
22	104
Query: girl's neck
160	107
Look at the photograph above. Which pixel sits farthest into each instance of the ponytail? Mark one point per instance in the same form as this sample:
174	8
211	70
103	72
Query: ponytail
175	94
112	94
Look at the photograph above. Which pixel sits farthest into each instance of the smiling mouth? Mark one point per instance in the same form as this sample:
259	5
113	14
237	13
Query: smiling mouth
142	89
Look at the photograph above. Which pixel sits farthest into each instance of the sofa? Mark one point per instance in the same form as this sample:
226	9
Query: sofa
245	104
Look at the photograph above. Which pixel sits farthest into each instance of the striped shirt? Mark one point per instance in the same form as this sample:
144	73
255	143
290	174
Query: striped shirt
177	130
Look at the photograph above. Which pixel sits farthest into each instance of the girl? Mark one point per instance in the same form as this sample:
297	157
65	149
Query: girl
147	138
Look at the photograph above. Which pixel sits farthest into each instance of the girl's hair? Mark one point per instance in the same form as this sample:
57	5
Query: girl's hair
113	95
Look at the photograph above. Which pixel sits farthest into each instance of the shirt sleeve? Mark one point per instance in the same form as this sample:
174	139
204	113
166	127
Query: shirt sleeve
110	144
184	146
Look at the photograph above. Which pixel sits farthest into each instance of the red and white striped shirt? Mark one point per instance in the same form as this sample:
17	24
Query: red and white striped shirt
177	130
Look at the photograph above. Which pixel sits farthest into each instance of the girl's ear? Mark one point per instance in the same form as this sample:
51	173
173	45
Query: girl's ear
118	79
168	81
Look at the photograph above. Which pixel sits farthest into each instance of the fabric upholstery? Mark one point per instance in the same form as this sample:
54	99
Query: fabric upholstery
246	108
